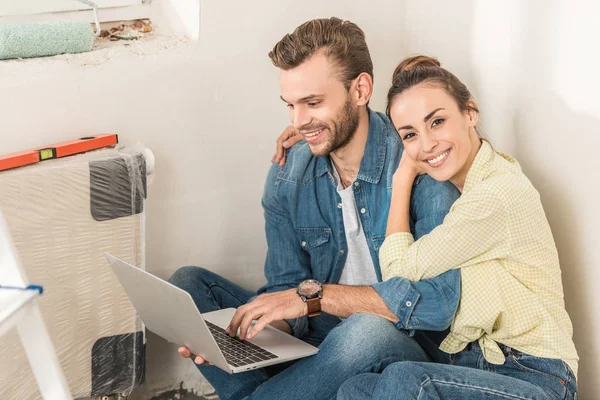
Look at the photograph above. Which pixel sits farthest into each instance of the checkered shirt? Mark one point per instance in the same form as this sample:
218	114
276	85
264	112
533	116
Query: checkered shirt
498	235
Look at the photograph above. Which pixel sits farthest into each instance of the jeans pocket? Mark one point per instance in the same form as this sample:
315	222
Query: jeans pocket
545	372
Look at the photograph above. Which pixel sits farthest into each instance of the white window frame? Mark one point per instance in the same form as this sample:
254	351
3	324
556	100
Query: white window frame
20	11
182	16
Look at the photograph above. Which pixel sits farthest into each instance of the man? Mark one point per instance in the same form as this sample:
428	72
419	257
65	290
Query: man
326	214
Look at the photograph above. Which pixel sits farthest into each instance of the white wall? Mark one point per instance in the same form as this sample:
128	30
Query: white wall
532	67
557	123
210	112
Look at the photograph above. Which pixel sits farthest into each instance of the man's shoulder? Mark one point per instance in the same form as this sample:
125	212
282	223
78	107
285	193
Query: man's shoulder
382	122
301	166
300	170
387	131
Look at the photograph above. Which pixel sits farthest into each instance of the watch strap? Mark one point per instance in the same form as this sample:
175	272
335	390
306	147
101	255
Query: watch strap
314	306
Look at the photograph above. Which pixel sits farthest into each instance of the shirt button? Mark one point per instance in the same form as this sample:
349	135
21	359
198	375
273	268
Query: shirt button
303	244
363	210
409	304
341	251
356	184
339	205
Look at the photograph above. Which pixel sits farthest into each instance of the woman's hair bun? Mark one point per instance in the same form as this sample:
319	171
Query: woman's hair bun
416	62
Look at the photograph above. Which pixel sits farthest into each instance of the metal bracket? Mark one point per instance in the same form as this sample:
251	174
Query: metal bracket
95	9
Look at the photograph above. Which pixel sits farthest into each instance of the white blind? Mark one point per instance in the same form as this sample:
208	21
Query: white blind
23	7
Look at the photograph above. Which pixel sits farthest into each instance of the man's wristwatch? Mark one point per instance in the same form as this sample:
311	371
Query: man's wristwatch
311	292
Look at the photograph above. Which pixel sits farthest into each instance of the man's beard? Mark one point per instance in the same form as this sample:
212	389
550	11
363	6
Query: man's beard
343	130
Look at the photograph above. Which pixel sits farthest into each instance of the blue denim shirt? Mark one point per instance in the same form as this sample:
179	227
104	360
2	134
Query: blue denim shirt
305	228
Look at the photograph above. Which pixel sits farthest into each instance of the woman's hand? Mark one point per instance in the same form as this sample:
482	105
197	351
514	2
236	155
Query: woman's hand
404	177
408	170
287	139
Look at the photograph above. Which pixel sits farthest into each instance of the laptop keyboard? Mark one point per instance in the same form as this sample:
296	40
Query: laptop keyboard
237	352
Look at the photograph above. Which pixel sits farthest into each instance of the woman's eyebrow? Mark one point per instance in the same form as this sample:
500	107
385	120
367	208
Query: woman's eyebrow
427	117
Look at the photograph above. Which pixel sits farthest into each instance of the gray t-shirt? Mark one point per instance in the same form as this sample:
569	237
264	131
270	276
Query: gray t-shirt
359	268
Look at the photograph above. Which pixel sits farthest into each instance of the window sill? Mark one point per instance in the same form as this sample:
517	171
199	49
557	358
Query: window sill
180	20
105	50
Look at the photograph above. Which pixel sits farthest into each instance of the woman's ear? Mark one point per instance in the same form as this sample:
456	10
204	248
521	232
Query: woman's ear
472	112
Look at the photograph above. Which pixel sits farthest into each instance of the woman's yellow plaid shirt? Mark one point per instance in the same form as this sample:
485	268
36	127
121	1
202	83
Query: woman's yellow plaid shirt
498	235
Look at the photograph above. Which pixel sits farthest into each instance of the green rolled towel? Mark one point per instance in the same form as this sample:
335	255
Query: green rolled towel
41	39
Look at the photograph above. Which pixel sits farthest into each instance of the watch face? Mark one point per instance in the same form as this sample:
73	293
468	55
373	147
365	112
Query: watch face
310	287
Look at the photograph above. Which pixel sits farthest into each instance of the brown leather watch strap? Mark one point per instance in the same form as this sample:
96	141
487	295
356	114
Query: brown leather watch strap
314	306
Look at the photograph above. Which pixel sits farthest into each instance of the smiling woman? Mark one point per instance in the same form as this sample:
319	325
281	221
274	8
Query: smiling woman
496	233
445	141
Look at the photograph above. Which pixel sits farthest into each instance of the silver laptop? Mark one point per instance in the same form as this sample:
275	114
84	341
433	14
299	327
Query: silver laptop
171	313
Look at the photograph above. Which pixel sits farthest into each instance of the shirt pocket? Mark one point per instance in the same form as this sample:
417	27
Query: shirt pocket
317	243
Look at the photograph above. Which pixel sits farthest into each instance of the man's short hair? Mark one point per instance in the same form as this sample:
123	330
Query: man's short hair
342	41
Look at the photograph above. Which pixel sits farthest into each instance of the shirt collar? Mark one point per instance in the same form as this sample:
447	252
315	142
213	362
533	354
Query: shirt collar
481	165
373	161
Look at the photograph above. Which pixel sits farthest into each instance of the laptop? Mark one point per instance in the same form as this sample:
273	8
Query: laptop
171	313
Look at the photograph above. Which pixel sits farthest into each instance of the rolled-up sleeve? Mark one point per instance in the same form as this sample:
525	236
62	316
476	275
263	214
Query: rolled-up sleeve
392	249
428	304
473	232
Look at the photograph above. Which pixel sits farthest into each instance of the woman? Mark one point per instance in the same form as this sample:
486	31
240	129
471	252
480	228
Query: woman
511	337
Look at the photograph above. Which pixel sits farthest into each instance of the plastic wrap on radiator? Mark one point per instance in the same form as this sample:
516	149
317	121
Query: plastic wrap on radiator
63	215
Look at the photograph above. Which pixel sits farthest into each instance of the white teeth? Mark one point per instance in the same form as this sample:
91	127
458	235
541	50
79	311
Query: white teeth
438	158
313	134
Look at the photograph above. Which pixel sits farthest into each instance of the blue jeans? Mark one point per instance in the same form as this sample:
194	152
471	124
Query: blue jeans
468	376
362	343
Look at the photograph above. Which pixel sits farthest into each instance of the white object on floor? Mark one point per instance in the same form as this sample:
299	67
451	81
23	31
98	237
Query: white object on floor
19	309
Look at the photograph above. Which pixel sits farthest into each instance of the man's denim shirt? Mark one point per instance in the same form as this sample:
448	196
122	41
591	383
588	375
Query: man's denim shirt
305	228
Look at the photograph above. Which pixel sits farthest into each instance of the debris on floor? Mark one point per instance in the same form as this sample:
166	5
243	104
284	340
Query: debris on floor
183	394
132	30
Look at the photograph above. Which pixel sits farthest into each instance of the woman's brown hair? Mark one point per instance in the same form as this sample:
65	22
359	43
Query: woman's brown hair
423	69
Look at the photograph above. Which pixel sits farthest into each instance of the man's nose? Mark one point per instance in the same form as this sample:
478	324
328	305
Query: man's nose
300	117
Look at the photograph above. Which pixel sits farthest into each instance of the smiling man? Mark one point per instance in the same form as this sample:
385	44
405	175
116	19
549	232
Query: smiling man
326	211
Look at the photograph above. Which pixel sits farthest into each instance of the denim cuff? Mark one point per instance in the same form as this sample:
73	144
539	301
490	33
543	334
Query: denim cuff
401	298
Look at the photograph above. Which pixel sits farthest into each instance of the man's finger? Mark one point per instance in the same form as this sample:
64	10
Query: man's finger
235	322
184	352
199	360
247	321
260	324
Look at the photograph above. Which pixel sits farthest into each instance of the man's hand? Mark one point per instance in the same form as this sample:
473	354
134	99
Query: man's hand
287	139
186	353
265	309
